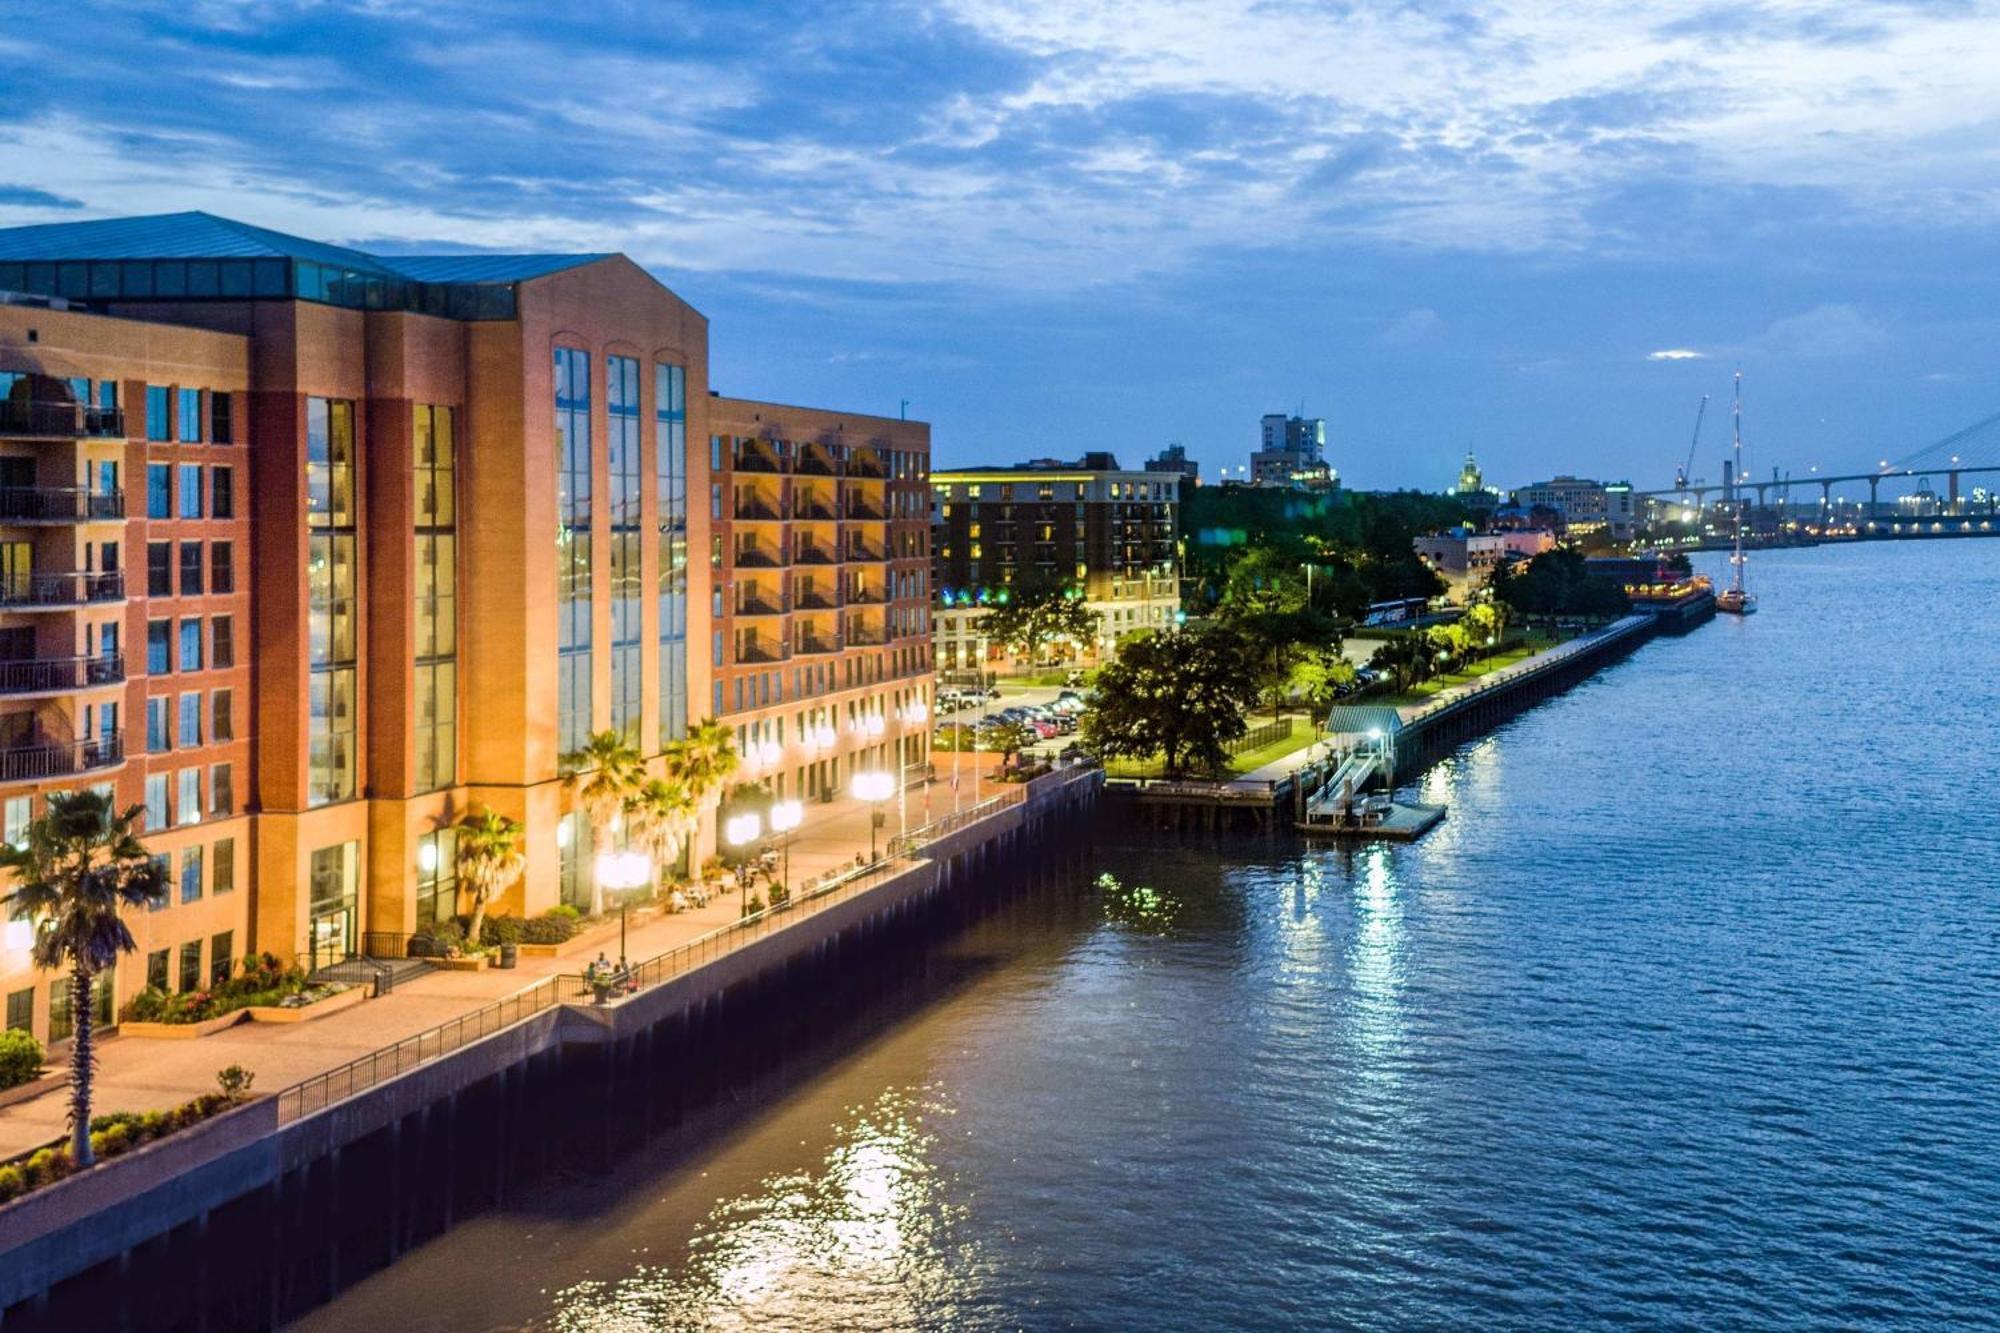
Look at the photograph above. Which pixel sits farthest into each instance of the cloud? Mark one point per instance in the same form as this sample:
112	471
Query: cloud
23	196
1677	354
1413	326
1825	332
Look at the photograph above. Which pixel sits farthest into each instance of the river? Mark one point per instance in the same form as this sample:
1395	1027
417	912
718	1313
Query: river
1687	1016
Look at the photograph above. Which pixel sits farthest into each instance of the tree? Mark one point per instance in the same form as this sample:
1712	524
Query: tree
1557	583
79	866
1035	614
708	757
1268	601
1007	739
1180	695
490	859
659	816
603	774
1319	677
1408	658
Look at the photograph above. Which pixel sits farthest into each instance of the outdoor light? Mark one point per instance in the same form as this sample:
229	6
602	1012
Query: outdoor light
427	856
564	834
769	752
787	815
739	830
875	787
620	873
826	734
873	724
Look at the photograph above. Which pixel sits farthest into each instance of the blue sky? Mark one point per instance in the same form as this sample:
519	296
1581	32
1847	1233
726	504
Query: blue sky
1056	225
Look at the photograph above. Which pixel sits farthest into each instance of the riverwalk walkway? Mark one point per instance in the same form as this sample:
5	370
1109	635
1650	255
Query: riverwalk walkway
144	1074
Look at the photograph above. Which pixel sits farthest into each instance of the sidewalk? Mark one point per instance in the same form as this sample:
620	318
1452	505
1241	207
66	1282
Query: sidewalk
142	1074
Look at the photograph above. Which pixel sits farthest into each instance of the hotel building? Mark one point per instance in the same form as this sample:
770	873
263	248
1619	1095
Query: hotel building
1091	524
412	528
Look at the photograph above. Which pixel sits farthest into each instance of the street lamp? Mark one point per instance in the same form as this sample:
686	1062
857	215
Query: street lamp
620	873
785	817
874	787
740	831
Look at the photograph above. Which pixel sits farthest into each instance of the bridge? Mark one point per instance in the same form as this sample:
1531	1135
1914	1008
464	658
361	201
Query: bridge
1971	452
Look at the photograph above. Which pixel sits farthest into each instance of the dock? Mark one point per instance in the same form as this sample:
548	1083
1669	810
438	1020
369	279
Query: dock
1372	819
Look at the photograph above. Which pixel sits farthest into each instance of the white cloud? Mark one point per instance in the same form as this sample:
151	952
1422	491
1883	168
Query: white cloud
1677	354
1823	333
1412	326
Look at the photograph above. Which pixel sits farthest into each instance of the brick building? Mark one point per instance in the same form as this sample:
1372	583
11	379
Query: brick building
412	528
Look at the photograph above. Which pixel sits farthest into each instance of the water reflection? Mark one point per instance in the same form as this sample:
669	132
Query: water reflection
1375	966
864	1239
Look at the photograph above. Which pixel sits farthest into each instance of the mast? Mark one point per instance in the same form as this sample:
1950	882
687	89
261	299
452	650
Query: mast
1736	430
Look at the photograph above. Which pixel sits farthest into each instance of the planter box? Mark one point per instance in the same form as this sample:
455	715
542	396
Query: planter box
35	1087
472	964
332	1004
183	1031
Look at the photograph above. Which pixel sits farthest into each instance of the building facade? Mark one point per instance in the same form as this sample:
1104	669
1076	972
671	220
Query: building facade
1587	507
1110	532
1292	453
412	528
820	647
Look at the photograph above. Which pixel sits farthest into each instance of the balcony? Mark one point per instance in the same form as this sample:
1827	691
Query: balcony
60	675
865	553
813	645
868	466
815	461
759	557
756	458
812	506
865	595
863	636
30	763
815	553
818	599
59	504
756	509
60	421
747	604
55	592
756	652
861	507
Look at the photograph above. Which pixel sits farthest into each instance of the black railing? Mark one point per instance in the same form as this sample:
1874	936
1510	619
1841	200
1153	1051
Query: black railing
757	510
61	421
857	637
44	675
759	653
860	509
862	465
59	504
817	465
867	596
814	509
755	460
385	944
757	606
812	644
74	589
812	553
862	551
759	557
817	600
25	762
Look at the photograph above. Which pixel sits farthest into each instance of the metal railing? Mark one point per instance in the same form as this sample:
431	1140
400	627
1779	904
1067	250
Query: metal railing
59	504
813	508
385	944
813	553
61	421
358	1075
1532	666
809	645
24	762
755	509
67	589
760	557
44	675
760	653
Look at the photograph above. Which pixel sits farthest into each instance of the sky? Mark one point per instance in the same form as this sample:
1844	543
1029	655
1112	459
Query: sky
1538	231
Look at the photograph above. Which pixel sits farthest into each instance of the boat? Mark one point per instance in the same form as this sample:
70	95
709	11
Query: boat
1736	600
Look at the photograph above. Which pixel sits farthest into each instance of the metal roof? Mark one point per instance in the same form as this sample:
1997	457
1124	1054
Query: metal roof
482	267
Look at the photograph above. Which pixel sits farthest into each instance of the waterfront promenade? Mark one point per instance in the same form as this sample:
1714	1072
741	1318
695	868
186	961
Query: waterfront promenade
141	1074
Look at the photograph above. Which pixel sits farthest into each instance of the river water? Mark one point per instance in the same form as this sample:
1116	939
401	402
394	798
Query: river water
1687	1016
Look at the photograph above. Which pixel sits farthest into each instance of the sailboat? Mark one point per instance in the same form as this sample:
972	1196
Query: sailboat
1735	599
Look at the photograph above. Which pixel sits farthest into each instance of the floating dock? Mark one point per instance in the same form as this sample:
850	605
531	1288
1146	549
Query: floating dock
1375	819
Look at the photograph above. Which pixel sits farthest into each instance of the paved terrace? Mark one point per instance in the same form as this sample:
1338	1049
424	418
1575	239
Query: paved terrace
143	1074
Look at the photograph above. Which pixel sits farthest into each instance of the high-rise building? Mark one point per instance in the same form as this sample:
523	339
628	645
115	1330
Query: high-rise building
309	551
1586	506
1174	458
1293	454
1107	531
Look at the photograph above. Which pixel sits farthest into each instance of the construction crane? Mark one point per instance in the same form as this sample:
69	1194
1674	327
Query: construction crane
1681	475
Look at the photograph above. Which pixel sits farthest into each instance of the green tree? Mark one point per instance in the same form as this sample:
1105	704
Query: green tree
1180	695
1318	677
1268	602
659	816
78	867
1006	739
1409	659
1034	615
491	857
603	774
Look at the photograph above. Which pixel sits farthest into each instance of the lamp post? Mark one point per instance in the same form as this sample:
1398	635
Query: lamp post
874	787
785	817
620	873
740	831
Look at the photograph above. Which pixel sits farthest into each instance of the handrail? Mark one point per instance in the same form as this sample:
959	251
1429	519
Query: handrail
69	588
62	504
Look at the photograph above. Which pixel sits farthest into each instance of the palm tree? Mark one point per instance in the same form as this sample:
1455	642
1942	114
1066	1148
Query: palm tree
79	865
490	859
603	774
659	815
711	756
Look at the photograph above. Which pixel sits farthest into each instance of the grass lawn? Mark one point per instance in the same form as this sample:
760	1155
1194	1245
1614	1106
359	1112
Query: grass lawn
1537	642
1250	760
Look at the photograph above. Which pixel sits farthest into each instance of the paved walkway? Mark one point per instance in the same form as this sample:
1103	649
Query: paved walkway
144	1074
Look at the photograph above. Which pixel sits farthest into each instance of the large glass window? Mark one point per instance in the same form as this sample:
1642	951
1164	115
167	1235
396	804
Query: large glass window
190	490
627	585
158	424
189	417
437	724
330	923
331	582
573	606
435	452
329	463
159	490
437	876
670	474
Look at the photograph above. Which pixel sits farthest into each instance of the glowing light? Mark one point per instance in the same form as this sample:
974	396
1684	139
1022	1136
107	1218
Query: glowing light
787	815
873	785
738	830
621	872
427	856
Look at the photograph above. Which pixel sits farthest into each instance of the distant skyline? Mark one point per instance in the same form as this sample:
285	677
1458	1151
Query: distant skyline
1059	226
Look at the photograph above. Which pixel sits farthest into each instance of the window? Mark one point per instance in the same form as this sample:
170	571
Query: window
221	423
221	791
159	724
158	426
21	1010
573	604
435	456
437	876
627	587
190	728
189	416
191	875
331	902
191	965
222	492
222	721
156	802
190	490
159	569
20	810
159	647
436	724
331	580
222	642
223	876
221	956
191	569
329	463
191	644
189	808
158	965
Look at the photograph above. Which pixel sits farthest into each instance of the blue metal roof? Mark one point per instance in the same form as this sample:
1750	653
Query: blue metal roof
173	236
483	268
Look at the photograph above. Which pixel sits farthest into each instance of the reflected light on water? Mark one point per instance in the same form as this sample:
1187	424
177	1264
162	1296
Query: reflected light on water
862	1241
1375	964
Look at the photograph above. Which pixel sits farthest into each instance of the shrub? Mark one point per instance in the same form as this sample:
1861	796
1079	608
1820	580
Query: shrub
552	928
11	1184
499	930
235	1081
155	1123
106	1121
566	911
46	1167
20	1058
752	905
780	894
